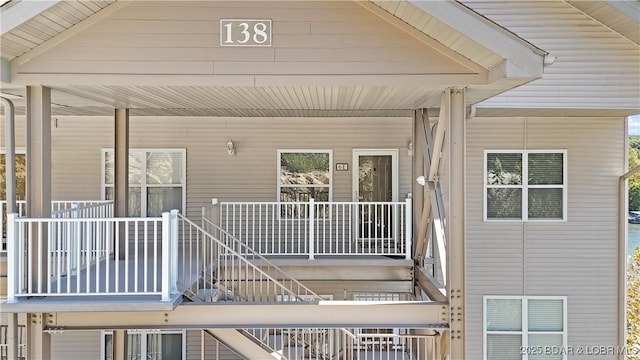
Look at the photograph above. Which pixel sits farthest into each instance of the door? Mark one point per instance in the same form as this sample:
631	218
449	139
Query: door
375	174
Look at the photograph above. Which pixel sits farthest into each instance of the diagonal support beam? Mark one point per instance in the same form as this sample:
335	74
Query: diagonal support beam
439	229
430	285
438	139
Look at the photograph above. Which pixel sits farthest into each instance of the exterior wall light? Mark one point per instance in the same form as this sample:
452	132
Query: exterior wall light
231	148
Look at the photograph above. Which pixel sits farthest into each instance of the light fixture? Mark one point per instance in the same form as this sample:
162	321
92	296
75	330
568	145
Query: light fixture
421	180
231	148
410	148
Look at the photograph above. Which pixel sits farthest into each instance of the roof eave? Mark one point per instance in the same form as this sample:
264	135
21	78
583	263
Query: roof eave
523	58
21	12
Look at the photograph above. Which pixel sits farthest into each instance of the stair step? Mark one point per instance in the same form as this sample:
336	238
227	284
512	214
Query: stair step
208	295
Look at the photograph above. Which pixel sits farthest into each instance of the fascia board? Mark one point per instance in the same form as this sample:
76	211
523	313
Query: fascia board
487	33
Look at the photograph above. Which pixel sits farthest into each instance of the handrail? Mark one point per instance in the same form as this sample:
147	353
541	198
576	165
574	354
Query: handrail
226	254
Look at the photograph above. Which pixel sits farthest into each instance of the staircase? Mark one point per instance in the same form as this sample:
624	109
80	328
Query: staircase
223	268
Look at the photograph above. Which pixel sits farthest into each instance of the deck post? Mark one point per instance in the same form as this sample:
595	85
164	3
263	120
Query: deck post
174	250
166	256
121	172
312	229
74	246
13	256
408	226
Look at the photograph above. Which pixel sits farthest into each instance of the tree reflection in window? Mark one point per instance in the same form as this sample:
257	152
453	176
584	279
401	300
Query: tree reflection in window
303	175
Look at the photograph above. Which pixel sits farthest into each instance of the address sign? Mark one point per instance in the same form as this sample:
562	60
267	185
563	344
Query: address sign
245	32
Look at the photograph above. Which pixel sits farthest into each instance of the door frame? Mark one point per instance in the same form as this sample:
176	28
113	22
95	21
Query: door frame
355	174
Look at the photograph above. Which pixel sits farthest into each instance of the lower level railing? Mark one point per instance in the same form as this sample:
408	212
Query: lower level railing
4	341
320	228
345	344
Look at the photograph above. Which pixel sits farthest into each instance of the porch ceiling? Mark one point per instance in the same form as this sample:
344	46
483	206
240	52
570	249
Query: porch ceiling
254	96
285	101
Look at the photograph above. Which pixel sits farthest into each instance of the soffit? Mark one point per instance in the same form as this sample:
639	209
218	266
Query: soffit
620	16
45	25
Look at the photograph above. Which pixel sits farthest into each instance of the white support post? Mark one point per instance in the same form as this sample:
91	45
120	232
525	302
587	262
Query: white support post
312	228
74	246
456	224
13	258
166	256
174	250
408	228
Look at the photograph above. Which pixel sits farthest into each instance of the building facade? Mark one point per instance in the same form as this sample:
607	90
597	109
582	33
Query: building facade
352	180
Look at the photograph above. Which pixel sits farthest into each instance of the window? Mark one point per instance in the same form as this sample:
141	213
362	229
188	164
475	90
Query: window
525	327
525	185
148	344
157	180
304	175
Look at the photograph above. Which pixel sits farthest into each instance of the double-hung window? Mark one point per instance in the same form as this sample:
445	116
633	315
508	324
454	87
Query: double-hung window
157	180
148	344
525	327
525	185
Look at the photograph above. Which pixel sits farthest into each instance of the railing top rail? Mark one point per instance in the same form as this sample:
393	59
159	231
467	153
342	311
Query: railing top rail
110	219
260	257
68	201
91	205
308	202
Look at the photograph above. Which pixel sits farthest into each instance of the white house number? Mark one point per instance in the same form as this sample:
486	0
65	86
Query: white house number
234	32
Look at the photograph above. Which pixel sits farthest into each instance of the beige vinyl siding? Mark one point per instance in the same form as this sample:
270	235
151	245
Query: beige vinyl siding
182	38
595	67
76	345
250	175
213	349
576	258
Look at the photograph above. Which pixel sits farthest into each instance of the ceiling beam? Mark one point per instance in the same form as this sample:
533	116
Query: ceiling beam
235	315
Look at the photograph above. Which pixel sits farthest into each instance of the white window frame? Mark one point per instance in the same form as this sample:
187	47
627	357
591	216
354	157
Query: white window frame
524	332
525	184
143	333
315	151
143	177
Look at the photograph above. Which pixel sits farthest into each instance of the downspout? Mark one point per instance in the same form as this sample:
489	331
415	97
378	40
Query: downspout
623	191
10	178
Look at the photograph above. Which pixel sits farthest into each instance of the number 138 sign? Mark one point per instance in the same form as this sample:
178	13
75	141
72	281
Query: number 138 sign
247	32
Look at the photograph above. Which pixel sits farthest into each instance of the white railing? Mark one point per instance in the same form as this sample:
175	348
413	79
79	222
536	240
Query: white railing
91	256
330	343
22	342
84	208
321	228
227	264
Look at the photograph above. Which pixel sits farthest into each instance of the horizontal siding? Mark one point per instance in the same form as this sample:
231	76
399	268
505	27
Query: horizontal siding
76	345
213	349
250	175
595	67
178	38
577	258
